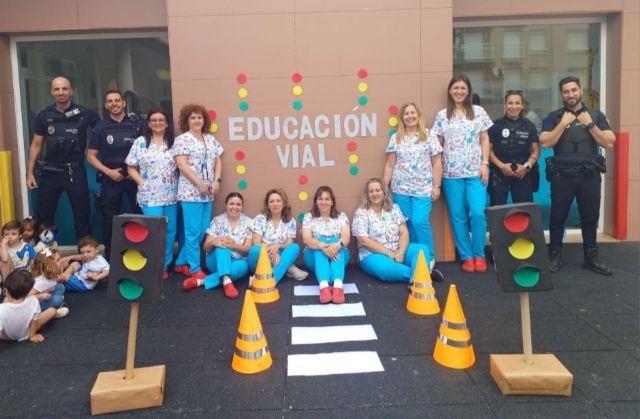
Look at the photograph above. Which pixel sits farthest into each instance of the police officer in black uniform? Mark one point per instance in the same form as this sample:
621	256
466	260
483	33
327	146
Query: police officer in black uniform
62	129
575	171
515	150
109	145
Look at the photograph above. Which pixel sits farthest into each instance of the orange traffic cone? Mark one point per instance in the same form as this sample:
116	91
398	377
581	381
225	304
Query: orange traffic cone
263	285
422	297
252	352
453	347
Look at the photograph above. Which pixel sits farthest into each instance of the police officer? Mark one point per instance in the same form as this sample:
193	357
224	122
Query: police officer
515	150
575	133
109	145
62	129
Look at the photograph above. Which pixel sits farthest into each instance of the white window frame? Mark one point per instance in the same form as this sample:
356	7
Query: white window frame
14	40
603	68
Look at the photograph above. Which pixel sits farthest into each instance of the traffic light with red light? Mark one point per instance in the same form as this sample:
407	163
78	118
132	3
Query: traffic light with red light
137	258
519	250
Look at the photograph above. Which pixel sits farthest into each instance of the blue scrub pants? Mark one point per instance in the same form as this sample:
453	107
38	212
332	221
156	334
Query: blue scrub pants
466	199
326	269
171	212
288	257
220	263
417	211
196	217
384	268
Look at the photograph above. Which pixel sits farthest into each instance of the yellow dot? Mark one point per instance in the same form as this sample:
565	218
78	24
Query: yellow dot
297	90
213	128
240	169
522	248
363	87
393	121
242	92
353	158
303	196
133	260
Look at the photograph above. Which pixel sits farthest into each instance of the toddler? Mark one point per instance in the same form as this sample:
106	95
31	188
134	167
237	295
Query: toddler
82	277
14	253
46	270
29	230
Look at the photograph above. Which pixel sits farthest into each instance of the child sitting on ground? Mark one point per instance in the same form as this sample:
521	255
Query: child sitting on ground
46	270
84	277
14	249
29	225
20	315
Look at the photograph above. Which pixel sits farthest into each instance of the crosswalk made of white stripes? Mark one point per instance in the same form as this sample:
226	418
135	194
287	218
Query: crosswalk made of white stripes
331	363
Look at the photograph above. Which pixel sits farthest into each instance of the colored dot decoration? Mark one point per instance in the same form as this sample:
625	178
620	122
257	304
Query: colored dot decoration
362	73
353	158
393	121
241	169
303	180
212	114
242	185
303	196
352	146
241	78
297	90
393	110
244	106
362	100
363	87
353	170
240	155
300	217
213	128
243	92
392	131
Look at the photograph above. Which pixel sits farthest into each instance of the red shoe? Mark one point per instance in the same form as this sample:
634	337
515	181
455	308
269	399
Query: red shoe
165	275
189	284
325	295
338	296
182	269
199	275
480	264
230	291
469	266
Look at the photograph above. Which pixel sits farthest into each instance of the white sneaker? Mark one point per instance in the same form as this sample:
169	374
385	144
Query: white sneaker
62	312
296	273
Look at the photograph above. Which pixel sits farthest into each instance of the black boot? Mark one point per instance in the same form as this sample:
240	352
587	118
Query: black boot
554	259
593	263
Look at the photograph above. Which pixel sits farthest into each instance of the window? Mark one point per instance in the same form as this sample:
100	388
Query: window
537	41
512	45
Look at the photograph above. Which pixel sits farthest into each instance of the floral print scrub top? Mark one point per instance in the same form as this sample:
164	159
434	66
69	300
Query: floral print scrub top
324	227
383	228
462	155
220	227
273	234
201	160
412	174
158	170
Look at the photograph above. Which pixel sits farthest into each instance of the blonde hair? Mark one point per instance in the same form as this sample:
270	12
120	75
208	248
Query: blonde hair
387	203
46	265
422	130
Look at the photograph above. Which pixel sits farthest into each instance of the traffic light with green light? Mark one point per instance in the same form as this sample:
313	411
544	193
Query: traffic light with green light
519	250
137	258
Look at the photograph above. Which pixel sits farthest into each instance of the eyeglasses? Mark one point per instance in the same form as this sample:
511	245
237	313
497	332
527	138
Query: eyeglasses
157	121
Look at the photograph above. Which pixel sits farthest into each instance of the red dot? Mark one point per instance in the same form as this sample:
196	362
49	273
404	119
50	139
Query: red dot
297	77
135	232
362	73
240	155
303	180
352	146
241	78
516	222
393	110
212	115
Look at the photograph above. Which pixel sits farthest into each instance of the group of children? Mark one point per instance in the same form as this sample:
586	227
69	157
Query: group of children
35	276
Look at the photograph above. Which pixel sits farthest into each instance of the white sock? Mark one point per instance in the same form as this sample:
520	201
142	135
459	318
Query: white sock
226	280
337	283
199	282
324	284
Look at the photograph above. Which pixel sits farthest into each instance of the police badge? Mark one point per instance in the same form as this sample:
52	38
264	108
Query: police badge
109	139
505	133
51	129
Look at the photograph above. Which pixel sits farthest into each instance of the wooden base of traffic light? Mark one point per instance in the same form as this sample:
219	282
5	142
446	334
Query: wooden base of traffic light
528	374
131	388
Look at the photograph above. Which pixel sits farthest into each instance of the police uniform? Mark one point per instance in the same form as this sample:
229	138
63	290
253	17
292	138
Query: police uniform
62	163
511	142
113	141
575	172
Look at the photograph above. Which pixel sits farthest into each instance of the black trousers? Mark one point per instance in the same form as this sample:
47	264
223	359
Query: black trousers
500	185
585	188
51	186
111	194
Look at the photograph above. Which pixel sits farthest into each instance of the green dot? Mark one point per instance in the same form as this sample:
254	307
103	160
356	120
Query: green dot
354	170
242	184
297	105
527	277
300	217
130	289
362	100
392	131
243	106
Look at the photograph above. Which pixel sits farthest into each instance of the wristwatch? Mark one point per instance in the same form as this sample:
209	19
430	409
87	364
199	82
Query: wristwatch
527	165
590	125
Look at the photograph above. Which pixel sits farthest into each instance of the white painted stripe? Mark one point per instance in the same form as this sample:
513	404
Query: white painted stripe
306	290
330	334
334	363
328	310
